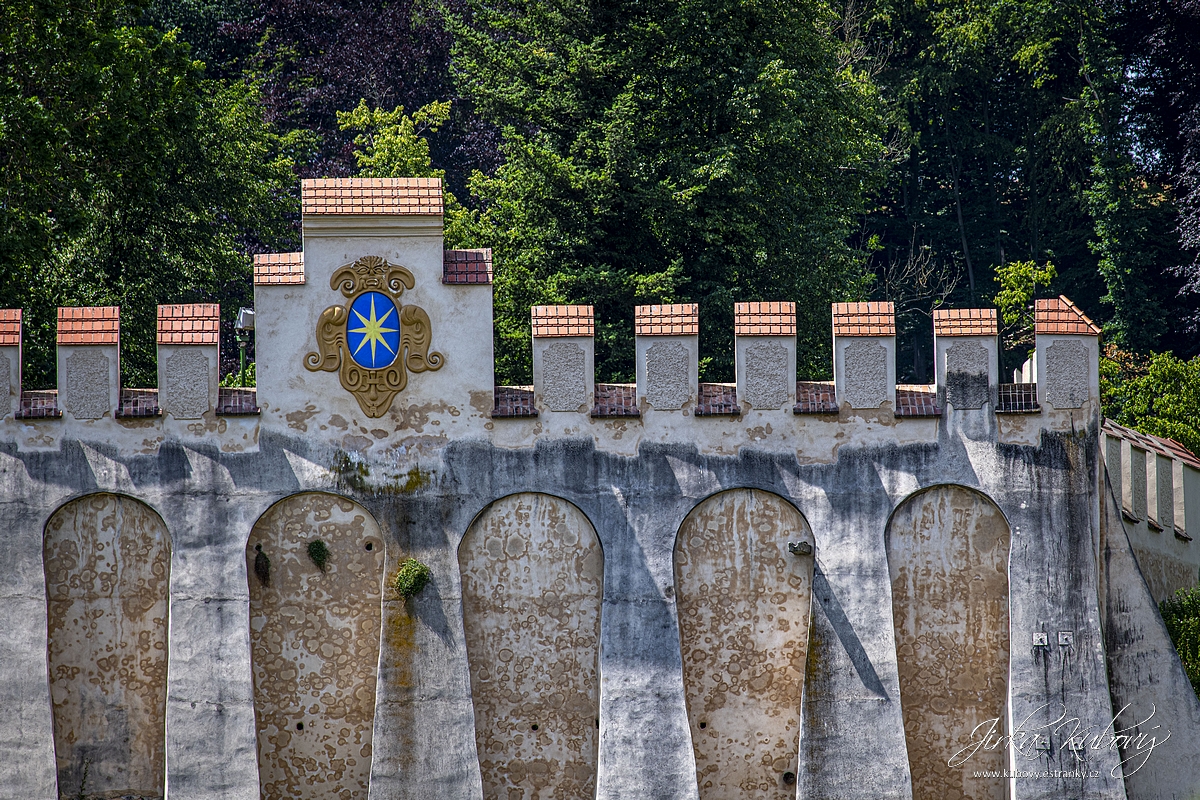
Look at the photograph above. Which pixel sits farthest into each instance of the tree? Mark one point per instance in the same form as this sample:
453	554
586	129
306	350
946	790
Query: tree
1159	397
127	177
1181	614
676	150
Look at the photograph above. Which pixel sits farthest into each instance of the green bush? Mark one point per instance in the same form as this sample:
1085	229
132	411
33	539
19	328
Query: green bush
1182	615
319	553
411	578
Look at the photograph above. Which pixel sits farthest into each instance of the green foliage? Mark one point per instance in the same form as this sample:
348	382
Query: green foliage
394	145
1181	613
319	553
126	177
669	152
411	578
1158	396
238	379
1019	287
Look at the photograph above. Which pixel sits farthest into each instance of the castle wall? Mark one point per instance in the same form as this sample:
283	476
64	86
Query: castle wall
446	464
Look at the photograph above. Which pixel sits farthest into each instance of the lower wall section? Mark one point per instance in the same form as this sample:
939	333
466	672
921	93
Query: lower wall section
744	610
314	637
948	559
107	560
533	578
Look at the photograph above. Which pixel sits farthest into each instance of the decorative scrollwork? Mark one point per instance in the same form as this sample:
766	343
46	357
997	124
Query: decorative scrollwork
373	388
371	273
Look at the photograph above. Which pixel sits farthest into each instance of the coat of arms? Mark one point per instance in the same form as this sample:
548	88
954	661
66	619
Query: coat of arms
372	341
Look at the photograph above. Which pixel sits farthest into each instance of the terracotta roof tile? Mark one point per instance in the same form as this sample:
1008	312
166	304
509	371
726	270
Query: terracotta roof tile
275	268
10	327
917	400
680	319
815	397
717	400
562	321
467	266
193	323
965	322
1154	444
372	196
616	400
864	319
513	401
89	325
764	319
1060	316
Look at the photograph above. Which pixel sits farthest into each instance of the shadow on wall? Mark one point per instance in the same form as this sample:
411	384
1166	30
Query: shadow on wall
315	564
532	581
947	550
743	579
107	563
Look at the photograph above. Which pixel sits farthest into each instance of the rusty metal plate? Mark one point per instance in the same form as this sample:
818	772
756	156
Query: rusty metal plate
107	561
314	646
533	580
948	561
744	604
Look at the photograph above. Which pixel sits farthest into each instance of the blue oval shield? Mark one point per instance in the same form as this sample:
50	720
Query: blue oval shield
373	330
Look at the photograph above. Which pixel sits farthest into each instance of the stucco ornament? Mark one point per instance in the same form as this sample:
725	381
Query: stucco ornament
373	341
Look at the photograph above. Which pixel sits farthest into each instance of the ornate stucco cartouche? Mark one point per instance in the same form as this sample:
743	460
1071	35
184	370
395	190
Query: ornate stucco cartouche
373	386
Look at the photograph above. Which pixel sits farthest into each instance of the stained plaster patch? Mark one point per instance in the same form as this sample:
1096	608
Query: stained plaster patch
564	377
1067	374
87	390
667	375
967	375
866	374
185	391
766	375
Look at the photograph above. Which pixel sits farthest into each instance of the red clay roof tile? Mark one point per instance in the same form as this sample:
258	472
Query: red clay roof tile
764	319
89	325
965	322
679	319
864	319
1060	316
372	196
562	321
467	266
194	323
276	268
10	327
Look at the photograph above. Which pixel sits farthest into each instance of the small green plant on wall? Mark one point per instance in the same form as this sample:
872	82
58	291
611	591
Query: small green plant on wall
411	578
318	551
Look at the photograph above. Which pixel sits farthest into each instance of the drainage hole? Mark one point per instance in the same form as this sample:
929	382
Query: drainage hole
299	726
703	725
789	778
370	546
534	726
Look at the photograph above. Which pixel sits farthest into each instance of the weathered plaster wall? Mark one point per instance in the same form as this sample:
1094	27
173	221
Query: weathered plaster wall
106	560
533	576
744	609
314	639
948	560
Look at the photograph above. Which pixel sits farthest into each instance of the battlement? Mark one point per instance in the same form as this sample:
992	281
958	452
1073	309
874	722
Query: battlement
374	247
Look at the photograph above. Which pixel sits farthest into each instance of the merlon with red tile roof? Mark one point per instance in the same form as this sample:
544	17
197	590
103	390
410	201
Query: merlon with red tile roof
372	196
764	319
864	319
193	323
965	322
10	327
276	268
1060	316
679	319
89	325
467	266
562	321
